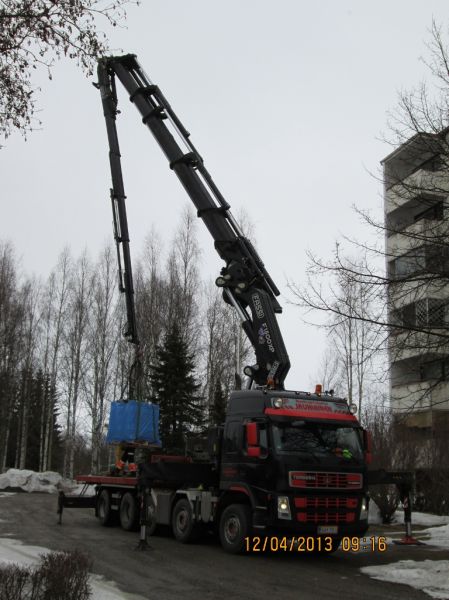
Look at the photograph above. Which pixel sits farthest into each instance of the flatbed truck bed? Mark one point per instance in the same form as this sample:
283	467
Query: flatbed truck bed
114	480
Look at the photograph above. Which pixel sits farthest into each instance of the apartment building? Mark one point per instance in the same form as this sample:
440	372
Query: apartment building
416	201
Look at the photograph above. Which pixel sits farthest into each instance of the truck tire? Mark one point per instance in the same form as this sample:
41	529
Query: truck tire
104	512
235	526
184	527
129	512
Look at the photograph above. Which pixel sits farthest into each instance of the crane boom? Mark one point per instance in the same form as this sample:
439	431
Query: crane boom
246	284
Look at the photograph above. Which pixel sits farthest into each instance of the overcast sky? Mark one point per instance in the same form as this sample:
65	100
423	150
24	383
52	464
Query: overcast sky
286	102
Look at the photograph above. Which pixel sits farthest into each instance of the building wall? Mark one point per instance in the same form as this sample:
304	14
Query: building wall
416	201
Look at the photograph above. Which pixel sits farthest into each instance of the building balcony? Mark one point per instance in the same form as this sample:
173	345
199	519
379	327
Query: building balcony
413	235
421	397
423	346
419	182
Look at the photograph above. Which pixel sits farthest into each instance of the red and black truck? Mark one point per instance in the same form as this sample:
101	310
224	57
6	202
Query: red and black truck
287	464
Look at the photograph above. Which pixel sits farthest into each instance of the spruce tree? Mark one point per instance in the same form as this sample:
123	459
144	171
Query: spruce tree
175	390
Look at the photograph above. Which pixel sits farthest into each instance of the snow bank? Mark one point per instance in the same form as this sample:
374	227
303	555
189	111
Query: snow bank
430	576
439	536
418	518
13	551
30	481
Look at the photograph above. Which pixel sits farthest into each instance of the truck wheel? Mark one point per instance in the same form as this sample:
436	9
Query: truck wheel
235	526
104	512
129	514
184	527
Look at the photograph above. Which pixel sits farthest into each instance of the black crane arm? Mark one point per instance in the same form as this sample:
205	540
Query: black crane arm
244	279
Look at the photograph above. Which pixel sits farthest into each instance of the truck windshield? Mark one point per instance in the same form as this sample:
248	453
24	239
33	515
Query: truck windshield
317	440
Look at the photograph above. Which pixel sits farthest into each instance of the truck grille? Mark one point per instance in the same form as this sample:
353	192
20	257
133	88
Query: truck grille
318	502
325	510
326	518
319	480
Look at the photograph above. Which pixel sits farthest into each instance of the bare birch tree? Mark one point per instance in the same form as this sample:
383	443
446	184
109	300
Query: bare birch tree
350	310
329	373
74	352
218	347
59	286
102	339
151	303
182	283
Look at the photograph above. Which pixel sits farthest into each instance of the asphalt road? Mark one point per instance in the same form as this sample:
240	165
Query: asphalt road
170	570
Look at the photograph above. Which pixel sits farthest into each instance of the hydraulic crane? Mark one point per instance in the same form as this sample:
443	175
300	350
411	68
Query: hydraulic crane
246	284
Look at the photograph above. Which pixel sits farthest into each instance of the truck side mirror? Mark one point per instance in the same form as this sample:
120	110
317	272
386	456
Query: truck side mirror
367	443
252	440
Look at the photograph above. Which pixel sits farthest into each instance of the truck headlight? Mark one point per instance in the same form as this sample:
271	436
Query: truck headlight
364	509
284	508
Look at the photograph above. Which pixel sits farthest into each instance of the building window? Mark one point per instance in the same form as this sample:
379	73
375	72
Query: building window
427	313
437	313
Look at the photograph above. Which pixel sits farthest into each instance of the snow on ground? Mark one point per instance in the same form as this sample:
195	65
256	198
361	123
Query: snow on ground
30	481
107	590
418	518
438	536
13	551
430	576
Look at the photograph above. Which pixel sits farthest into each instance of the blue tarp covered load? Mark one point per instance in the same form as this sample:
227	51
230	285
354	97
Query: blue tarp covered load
133	421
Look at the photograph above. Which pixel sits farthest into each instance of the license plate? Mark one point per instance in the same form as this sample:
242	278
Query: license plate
323	529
